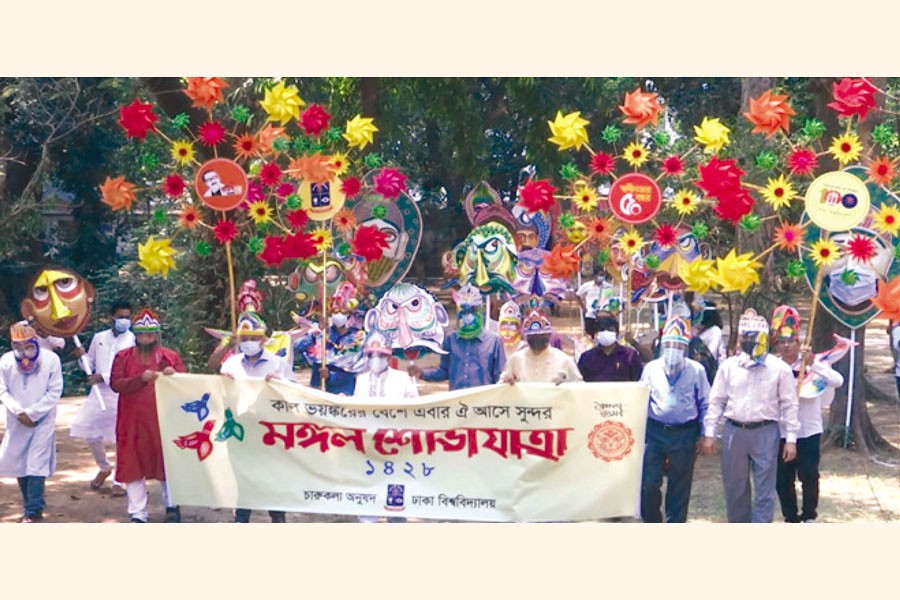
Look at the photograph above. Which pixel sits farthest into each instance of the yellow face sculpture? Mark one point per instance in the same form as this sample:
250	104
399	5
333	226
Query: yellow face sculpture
59	301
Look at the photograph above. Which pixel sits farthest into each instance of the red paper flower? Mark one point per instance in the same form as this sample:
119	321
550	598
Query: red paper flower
245	147
731	206
205	91
769	113
350	187
389	182
852	97
299	245
369	242
603	163
862	248
673	166
803	161
224	231
665	235
211	133
174	186
273	251
720	177
137	119
314	120
297	219
640	108
882	170
600	229
285	189
189	216
561	262
255	192
789	237
270	174
536	195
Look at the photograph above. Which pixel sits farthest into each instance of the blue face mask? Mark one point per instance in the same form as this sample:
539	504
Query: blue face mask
122	325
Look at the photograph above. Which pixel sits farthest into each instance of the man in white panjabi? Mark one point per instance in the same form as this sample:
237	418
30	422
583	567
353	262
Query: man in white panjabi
30	387
94	425
539	362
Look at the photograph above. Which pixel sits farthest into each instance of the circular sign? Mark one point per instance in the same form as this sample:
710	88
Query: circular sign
837	201
221	184
321	201
634	198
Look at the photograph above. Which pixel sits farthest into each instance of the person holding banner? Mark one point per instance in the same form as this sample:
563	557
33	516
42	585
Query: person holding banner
679	396
539	361
756	395
96	424
139	455
342	338
30	387
610	360
814	395
252	360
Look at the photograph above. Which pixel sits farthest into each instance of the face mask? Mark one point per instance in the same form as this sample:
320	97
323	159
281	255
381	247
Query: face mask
122	325
605	338
863	289
538	343
250	348
469	323
26	357
339	320
757	348
673	359
378	363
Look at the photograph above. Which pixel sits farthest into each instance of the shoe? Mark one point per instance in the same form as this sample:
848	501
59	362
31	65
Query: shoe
810	521
279	517
24	519
792	520
118	491
173	514
100	478
136	520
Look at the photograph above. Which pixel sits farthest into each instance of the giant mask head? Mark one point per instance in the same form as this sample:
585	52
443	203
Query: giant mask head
59	301
487	259
411	318
306	280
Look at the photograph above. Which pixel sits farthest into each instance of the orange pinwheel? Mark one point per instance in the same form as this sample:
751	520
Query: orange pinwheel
769	113
266	139
561	262
888	299
640	108
315	168
117	193
205	91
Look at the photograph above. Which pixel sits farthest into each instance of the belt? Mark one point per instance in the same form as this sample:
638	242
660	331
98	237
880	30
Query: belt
752	425
674	427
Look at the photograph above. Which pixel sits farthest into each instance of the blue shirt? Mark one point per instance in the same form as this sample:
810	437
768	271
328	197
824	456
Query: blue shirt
469	363
678	399
340	381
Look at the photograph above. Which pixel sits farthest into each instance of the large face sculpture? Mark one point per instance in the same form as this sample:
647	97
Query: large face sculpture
401	223
687	249
59	301
306	280
411	318
487	259
530	280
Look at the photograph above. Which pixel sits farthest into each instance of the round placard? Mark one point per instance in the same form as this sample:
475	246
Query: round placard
221	184
634	198
837	201
321	201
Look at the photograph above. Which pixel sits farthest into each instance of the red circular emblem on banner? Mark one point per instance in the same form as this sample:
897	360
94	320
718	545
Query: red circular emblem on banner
634	198
610	440
221	184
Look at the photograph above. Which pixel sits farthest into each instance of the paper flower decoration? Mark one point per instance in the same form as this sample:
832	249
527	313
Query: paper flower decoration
631	242
888	299
224	231
189	217
824	252
672	166
137	119
845	148
314	120
297	219
766	160
561	262
174	186
205	91
802	161
884	135
750	223
314	168
244	147
788	237
350	186
568	131
282	102
712	135
344	220
322	238
302	245
359	132
182	152
599	229
273	251
156	256
736	273
718	177
640	108
861	248
685	202
339	163
795	269
732	206
779	192
882	170
887	219
665	235
117	193
700	230
769	113
389	183
813	129
270	174
603	163
285	189
537	195
260	212
211	133
267	137
852	97
635	154
698	275
369	242
585	199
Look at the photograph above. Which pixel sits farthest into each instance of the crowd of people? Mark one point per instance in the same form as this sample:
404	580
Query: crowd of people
700	397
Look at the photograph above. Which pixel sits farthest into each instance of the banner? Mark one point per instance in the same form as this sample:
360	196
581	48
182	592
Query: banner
529	452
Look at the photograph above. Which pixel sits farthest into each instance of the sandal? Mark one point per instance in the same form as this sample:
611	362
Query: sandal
118	491
99	479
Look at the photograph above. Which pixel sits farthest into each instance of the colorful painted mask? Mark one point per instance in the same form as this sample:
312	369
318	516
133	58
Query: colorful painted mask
411	318
487	259
509	324
59	301
306	280
470	312
25	346
529	278
754	332
401	222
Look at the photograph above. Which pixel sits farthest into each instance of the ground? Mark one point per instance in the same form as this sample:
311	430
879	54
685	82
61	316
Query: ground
853	488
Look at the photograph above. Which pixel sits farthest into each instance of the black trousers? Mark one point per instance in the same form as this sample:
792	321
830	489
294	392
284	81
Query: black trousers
805	468
679	447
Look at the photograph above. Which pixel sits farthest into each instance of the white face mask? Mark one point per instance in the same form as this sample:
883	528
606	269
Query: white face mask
122	325
673	359
605	338
378	363
338	320
250	348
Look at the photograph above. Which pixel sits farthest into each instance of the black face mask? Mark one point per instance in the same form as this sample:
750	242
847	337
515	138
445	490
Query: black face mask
538	344
748	347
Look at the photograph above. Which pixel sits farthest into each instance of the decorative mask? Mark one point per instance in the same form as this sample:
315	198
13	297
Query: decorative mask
411	318
306	280
529	278
401	222
470	312
487	258
686	250
249	297
59	301
25	346
509	324
755	327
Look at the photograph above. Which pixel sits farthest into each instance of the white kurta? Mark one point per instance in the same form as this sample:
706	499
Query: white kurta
25	450
390	383
91	422
529	366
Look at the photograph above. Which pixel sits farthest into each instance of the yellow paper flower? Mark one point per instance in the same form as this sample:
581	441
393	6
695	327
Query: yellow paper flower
685	202
887	219
845	148
359	131
568	131
779	192
736	273
635	154
712	135
282	103
631	242
339	163
585	198
323	235
182	152
260	212
824	252
698	275
156	256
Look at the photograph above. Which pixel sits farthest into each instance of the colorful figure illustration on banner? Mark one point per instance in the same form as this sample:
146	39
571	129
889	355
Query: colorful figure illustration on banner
198	440
230	428
198	407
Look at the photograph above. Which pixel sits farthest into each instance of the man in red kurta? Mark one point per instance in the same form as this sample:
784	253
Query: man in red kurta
138	446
